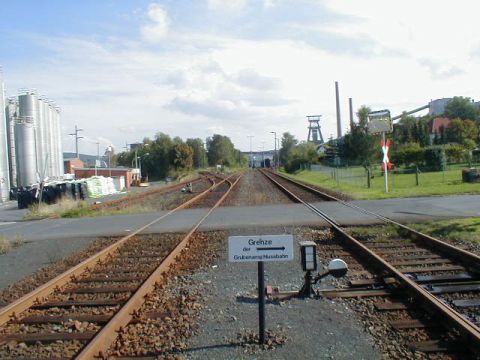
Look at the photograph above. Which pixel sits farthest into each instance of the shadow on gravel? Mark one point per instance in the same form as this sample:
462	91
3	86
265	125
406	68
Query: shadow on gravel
194	349
245	299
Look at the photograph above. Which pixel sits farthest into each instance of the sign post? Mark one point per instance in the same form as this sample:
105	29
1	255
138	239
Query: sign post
380	122
260	248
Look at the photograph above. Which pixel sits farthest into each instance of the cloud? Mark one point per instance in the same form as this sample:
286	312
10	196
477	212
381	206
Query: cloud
227	5
210	108
251	79
269	3
440	70
157	29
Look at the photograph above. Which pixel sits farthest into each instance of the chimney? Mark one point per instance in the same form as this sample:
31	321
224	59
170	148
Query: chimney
339	123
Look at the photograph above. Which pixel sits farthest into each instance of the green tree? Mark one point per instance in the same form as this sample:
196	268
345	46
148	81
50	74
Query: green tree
158	163
460	131
462	108
359	146
199	153
220	151
183	156
288	144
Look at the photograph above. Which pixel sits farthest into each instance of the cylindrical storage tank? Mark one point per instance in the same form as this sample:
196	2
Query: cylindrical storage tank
11	112
4	174
25	152
49	140
40	138
26	147
46	138
59	144
53	141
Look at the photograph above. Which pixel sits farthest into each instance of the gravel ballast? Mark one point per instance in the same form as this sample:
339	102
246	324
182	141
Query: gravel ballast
312	328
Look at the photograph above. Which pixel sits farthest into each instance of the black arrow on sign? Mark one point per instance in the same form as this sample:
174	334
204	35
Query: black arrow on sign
270	248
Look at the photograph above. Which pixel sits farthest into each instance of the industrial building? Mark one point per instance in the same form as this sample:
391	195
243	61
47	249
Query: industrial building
30	140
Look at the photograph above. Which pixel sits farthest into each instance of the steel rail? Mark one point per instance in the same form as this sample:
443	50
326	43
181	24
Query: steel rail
456	320
26	301
466	257
100	344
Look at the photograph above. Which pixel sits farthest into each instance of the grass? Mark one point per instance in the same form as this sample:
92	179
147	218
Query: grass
8	244
354	183
467	230
67	208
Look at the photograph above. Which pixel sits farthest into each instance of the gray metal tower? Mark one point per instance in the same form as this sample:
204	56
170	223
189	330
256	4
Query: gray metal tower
314	132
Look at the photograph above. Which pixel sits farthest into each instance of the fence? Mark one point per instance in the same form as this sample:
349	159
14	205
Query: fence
359	176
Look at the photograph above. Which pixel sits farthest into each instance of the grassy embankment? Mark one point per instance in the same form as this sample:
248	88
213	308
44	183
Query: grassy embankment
404	185
72	209
354	183
67	208
465	230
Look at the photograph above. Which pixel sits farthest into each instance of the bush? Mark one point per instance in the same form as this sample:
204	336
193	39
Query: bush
435	158
456	153
408	154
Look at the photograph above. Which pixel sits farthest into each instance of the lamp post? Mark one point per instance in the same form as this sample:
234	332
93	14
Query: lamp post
140	164
275	153
109	151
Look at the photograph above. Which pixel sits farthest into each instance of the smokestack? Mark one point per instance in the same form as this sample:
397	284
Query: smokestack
339	123
350	106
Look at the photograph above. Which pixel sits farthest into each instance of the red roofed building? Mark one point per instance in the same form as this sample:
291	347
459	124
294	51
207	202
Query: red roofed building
436	125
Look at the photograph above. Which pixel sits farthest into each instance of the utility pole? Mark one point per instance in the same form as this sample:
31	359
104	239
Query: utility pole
275	157
77	130
251	159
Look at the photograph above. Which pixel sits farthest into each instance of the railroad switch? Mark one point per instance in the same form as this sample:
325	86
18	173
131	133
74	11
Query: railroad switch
337	268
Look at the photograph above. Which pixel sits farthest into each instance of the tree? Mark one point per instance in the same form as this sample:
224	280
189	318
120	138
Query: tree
301	157
220	151
460	131
288	144
199	153
462	108
360	146
362	115
158	163
183	156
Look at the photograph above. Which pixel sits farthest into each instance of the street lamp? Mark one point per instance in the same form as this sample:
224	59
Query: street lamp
140	164
109	152
275	153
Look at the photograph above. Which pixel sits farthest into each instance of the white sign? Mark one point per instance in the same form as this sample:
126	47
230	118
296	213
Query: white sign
260	248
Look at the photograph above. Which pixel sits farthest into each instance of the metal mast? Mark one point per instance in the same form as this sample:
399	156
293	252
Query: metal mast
76	139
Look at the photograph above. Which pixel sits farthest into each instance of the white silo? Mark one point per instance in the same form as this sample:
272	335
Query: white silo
39	136
53	140
11	113
4	173
59	143
25	147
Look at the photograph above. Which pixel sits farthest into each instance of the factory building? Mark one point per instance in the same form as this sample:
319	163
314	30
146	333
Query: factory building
4	170
30	141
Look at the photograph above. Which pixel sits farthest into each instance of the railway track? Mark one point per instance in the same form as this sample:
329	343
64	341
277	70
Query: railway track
80	313
412	270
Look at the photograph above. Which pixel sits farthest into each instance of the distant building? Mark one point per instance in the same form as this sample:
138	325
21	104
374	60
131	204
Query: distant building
71	164
437	106
436	126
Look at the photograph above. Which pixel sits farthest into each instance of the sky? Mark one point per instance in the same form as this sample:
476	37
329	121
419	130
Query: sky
123	70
